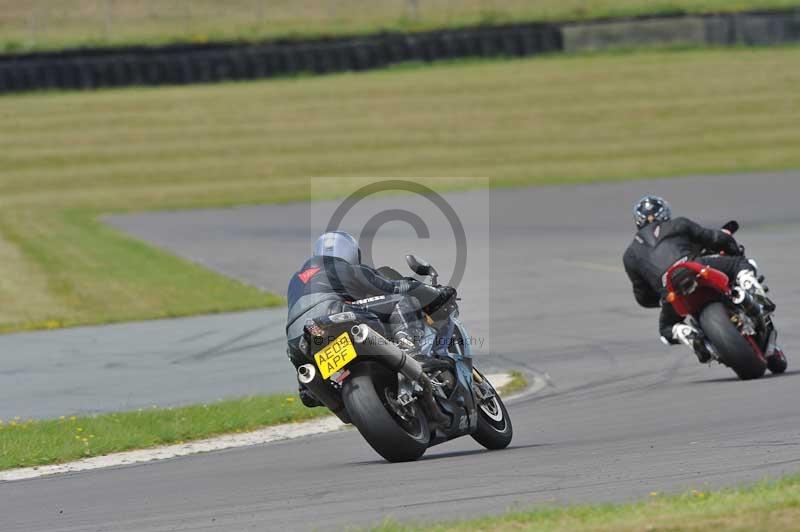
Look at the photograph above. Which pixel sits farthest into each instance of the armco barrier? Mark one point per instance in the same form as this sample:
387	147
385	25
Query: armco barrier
759	29
749	29
180	64
83	69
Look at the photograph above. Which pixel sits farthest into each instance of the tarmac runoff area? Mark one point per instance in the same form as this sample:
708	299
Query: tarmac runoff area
90	370
621	415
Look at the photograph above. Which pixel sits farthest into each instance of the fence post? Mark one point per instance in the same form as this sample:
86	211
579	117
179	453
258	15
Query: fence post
187	13
260	12
413	9
109	16
33	25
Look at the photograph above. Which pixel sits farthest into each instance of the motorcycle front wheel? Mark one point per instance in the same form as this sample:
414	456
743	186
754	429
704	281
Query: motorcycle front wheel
397	433
494	425
734	350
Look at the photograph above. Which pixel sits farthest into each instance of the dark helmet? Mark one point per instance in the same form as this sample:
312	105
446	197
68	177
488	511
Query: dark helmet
650	209
338	244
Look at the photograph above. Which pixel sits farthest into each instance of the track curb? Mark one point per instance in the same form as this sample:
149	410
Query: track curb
263	436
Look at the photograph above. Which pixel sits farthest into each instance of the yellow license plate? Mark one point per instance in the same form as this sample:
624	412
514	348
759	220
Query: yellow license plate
335	355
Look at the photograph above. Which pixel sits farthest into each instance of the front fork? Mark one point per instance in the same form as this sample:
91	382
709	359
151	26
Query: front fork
484	391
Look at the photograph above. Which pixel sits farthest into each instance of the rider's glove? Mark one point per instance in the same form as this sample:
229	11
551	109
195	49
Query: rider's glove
684	334
307	398
441	304
447	293
733	248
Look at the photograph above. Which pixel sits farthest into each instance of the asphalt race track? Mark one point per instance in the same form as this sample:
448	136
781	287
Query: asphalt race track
125	366
622	415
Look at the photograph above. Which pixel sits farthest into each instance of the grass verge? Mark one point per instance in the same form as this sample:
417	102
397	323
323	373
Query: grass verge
78	270
765	507
38	24
517	383
35	443
31	443
68	158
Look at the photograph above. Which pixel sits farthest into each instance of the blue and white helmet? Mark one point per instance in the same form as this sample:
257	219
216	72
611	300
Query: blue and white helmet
338	244
650	209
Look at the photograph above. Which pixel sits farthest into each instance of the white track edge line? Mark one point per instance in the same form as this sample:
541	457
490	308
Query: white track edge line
228	441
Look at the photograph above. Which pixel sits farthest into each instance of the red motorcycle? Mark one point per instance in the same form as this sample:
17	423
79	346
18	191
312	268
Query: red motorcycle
736	324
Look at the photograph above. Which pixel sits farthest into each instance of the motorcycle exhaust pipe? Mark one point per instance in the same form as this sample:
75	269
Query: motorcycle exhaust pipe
393	356
399	361
308	376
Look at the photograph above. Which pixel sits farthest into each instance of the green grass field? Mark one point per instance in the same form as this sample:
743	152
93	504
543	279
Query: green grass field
764	507
29	443
67	158
42	24
517	383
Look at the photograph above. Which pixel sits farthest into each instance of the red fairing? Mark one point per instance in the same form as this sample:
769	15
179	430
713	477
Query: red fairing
710	283
306	275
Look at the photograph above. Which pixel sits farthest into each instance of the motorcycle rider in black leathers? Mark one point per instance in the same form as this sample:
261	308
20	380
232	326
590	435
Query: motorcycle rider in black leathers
334	280
661	242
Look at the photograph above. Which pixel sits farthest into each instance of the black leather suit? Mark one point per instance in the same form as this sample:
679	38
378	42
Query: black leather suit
327	285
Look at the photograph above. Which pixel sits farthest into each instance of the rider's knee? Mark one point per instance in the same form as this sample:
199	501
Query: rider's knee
295	354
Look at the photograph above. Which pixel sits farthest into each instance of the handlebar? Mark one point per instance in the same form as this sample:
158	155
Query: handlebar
731	227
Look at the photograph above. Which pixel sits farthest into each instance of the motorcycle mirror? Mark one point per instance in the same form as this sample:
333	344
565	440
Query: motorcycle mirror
419	266
731	227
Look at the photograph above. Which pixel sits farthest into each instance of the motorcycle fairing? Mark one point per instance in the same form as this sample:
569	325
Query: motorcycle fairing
461	403
710	283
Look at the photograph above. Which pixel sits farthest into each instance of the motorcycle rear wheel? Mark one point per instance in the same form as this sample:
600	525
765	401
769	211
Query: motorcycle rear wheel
367	395
734	350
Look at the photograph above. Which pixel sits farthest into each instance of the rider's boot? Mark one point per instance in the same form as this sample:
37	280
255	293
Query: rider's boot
296	353
406	325
700	347
776	360
307	398
749	282
405	340
694	340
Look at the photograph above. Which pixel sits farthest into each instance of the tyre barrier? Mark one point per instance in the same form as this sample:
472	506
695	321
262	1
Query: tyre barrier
753	29
742	29
208	63
175	65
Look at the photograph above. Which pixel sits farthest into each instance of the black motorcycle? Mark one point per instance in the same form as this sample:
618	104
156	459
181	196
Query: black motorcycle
403	404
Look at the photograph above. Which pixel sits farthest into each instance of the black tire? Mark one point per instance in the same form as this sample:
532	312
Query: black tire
364	397
494	425
734	350
777	364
